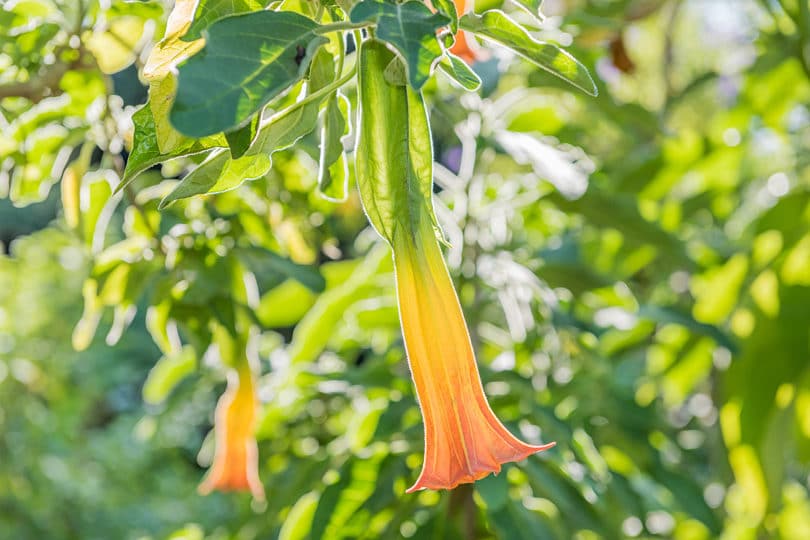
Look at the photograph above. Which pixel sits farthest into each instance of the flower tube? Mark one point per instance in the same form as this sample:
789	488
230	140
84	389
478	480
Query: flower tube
236	454
464	440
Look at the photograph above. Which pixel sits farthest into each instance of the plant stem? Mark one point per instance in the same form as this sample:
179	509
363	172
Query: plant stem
340	26
315	96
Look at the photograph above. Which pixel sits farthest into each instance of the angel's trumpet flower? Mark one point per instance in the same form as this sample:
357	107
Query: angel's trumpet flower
236	454
464	440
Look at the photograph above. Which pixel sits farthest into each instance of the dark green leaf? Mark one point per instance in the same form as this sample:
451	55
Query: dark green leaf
448	8
411	28
247	61
220	172
267	266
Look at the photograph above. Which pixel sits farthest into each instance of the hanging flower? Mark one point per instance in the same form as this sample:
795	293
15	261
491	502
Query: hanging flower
235	466
464	440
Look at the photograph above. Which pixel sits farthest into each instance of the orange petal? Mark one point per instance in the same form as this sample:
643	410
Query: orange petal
464	440
236	456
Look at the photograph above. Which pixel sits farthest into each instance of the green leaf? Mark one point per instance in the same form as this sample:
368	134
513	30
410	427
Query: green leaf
495	25
313	332
267	266
95	192
170	51
209	11
394	155
167	374
411	28
333	171
161	96
531	6
220	172
299	520
217	174
508	519
240	139
247	61
448	8
146	152
458	70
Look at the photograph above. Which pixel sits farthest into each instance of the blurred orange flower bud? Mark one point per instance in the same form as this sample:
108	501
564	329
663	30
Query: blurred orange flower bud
461	48
464	440
236	454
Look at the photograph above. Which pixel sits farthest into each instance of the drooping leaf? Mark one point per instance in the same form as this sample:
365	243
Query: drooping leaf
333	172
497	26
217	174
284	129
411	28
458	70
247	61
161	96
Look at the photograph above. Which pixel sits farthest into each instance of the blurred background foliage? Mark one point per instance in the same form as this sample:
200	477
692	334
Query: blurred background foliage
635	270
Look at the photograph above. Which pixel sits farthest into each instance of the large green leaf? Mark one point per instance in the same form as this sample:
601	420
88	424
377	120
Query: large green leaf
247	61
411	28
498	26
223	172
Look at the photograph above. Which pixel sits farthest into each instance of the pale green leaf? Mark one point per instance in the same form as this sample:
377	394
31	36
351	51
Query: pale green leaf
497	26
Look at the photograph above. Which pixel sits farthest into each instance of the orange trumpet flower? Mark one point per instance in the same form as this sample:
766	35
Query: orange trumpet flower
236	455
464	440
